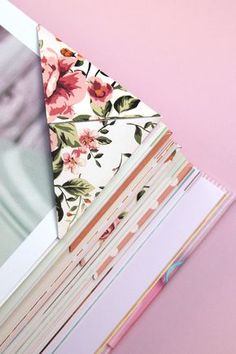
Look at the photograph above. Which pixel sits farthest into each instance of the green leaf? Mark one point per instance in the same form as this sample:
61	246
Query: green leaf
140	194
125	103
127	154
67	133
81	118
57	162
79	63
78	187
102	111
138	134
148	124
104	131
62	118
119	87
71	199
98	156
98	163
40	44
122	215
103	140
59	209
89	156
73	208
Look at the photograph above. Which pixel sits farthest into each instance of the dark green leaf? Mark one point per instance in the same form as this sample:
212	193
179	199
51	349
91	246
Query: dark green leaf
98	163
125	103
103	140
62	118
119	87
102	111
122	215
148	124
127	154
98	156
67	133
59	209
73	208
78	187
140	194
79	63
71	199
81	118
57	162
89	156
138	135
104	131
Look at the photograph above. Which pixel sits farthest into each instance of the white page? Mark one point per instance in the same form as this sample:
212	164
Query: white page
141	271
27	215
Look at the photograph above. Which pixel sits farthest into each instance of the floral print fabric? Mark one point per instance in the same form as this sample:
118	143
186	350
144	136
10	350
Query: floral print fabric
95	126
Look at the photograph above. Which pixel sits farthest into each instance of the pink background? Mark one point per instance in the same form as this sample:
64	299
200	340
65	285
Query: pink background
180	58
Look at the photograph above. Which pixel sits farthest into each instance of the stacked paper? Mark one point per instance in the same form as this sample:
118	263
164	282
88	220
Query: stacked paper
129	207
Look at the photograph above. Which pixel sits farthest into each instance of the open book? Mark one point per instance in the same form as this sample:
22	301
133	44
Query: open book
100	206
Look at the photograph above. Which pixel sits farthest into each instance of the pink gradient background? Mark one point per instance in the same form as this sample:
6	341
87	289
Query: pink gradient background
180	58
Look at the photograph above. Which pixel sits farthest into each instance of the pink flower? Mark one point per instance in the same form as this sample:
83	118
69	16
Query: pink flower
53	140
99	91
62	88
73	161
88	139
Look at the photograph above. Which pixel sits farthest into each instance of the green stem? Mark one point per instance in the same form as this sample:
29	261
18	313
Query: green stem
75	215
104	126
61	189
120	163
89	66
136	125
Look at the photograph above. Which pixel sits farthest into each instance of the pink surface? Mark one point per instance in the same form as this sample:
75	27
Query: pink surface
195	313
179	57
152	294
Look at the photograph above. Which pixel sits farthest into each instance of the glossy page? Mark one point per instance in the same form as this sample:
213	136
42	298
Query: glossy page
25	173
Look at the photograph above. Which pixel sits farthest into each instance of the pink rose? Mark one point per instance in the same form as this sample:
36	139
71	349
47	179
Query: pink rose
73	161
53	140
62	88
100	92
88	139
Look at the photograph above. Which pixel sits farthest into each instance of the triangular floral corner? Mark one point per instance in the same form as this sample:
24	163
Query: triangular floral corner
95	125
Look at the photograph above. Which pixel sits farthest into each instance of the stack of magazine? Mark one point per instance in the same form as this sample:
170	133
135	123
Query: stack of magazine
98	205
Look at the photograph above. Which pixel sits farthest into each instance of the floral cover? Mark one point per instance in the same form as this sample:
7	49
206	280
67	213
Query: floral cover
95	125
